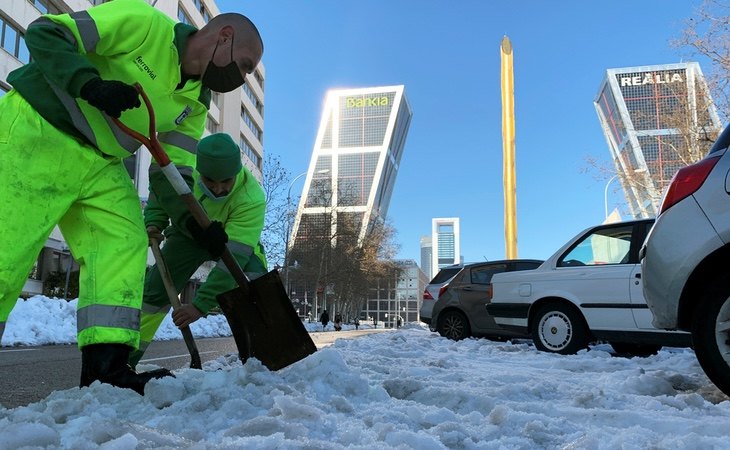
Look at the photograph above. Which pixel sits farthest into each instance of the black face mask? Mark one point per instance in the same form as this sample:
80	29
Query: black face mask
222	79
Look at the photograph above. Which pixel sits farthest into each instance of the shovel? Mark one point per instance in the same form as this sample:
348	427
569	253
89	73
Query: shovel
195	362
263	321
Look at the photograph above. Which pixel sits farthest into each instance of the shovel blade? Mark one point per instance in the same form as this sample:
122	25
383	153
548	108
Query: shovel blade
264	323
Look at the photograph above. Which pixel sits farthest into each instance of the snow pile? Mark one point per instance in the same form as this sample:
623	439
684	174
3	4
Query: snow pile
406	389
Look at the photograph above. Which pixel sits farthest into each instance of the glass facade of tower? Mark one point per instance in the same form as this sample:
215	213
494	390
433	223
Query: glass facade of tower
656	120
354	163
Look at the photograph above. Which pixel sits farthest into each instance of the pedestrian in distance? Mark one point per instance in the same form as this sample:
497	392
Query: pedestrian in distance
61	154
357	323
338	322
236	203
324	318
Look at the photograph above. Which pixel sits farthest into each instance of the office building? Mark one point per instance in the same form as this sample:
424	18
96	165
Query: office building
349	183
397	297
446	246
656	120
354	164
239	113
426	255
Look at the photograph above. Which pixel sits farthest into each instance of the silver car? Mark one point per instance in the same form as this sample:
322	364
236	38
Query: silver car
686	260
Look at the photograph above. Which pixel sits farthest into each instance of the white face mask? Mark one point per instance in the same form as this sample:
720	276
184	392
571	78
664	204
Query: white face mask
210	194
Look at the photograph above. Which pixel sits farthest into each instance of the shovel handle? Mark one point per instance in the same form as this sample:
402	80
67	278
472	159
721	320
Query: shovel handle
195	362
178	183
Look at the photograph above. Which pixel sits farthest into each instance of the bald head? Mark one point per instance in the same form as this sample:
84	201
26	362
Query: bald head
241	24
226	40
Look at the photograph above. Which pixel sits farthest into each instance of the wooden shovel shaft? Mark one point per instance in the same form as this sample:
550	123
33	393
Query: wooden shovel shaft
195	362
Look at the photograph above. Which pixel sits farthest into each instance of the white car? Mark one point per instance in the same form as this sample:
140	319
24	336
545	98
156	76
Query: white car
588	290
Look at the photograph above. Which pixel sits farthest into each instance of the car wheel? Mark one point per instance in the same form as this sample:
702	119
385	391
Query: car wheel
559	328
711	335
454	325
641	350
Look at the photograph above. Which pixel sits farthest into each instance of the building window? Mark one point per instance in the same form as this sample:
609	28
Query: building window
202	9
248	120
256	103
206	15
182	16
13	42
259	79
45	7
250	153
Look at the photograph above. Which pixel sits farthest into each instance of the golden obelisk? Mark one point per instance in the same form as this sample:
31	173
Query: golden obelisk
508	151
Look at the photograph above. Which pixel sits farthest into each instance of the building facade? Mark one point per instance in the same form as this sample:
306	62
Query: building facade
349	183
355	162
426	255
656	120
239	113
446	243
397	298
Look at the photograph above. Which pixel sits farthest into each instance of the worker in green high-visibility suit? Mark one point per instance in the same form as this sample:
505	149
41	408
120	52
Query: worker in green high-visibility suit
61	154
235	201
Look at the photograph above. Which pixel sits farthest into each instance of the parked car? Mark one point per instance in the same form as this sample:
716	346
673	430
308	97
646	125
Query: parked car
590	289
459	312
434	288
685	260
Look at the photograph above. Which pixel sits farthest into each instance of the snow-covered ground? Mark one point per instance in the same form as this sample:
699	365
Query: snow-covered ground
401	389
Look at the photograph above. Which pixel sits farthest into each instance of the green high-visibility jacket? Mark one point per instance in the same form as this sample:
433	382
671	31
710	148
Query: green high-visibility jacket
242	215
125	40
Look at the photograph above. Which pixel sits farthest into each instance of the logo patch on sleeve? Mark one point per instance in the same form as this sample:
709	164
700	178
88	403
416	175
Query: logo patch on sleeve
183	115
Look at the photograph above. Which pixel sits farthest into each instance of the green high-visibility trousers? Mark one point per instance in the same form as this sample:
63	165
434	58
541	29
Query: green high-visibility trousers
50	178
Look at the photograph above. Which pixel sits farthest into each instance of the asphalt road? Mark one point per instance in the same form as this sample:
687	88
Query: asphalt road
30	374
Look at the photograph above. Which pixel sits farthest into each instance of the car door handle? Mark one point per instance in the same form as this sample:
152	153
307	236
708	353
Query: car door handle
637	275
468	288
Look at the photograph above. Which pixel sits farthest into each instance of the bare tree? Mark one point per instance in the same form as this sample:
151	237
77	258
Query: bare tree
274	235
333	262
707	34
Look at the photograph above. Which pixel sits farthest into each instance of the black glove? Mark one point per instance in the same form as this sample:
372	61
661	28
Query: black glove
213	238
110	96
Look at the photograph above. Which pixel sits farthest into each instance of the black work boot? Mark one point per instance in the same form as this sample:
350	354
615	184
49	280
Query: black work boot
108	364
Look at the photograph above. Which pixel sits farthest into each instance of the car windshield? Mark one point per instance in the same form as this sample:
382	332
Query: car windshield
605	246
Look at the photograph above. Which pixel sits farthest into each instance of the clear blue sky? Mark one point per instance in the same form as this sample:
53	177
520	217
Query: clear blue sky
446	53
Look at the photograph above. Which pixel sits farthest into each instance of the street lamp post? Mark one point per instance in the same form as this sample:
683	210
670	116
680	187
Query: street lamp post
288	230
605	195
289	224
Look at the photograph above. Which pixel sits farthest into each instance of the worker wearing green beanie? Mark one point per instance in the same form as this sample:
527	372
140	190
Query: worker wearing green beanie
235	203
218	157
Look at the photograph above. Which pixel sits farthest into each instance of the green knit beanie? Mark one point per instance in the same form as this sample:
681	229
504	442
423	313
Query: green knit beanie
218	157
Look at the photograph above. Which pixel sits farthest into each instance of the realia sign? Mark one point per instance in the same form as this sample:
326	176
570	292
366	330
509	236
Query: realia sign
651	78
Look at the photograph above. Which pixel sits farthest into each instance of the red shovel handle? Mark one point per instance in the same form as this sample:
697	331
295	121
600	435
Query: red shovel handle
151	143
